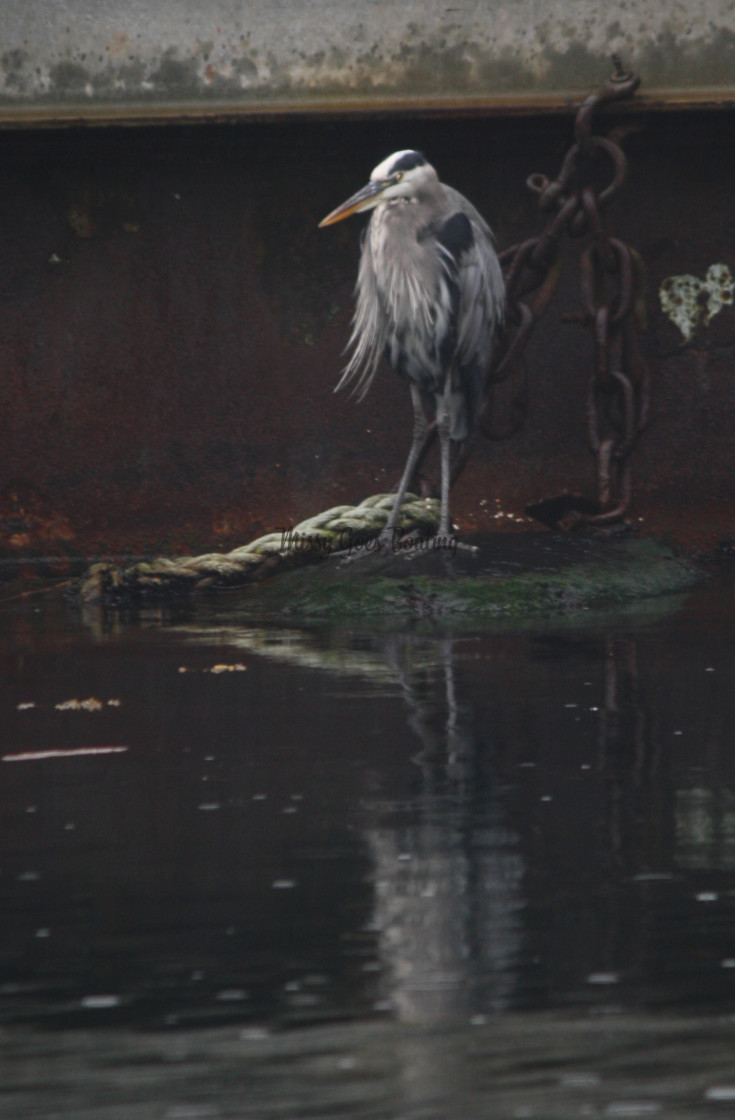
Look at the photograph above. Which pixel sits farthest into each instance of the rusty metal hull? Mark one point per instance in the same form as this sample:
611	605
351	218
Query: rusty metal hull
172	325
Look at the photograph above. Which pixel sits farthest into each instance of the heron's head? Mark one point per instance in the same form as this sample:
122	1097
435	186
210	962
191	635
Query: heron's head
402	175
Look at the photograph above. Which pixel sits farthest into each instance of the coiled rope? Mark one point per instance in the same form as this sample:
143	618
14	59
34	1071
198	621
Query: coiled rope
340	529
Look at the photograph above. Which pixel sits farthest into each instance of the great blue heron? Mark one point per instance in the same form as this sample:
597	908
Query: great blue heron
430	296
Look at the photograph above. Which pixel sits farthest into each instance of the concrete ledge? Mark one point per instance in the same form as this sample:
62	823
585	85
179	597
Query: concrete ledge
97	60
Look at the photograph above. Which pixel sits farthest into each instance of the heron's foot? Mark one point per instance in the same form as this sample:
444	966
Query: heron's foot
381	545
405	542
361	548
447	539
418	544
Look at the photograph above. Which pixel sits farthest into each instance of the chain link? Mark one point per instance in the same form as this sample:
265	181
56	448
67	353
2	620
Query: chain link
612	298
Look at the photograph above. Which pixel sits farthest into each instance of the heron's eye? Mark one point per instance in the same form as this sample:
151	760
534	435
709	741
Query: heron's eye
397	176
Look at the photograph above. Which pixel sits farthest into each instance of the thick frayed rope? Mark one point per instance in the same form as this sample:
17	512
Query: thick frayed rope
339	528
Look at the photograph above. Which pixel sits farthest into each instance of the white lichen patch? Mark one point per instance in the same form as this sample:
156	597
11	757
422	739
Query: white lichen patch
692	303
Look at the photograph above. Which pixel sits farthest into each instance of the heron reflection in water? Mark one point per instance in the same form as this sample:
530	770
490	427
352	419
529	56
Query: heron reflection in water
431	298
449	873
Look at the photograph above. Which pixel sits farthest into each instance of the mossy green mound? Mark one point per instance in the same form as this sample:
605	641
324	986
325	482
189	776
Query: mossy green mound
577	575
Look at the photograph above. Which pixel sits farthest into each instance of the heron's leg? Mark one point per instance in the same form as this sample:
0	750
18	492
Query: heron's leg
443	422
460	457
420	426
415	482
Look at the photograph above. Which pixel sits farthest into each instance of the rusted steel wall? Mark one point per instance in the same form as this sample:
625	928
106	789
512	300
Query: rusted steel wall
153	59
172	323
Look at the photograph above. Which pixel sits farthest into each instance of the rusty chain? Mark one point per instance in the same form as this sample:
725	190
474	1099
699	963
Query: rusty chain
612	291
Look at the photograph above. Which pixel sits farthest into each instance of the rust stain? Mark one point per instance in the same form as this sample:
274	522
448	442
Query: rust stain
119	45
29	522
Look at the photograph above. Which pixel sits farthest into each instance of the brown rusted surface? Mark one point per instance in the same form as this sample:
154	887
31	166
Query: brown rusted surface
172	322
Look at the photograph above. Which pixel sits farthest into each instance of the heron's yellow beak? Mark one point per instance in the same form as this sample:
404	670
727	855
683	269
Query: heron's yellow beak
365	199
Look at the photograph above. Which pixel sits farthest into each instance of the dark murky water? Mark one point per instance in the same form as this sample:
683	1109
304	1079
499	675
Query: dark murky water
271	873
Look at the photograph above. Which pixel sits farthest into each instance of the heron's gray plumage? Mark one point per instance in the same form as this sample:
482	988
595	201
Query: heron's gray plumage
430	293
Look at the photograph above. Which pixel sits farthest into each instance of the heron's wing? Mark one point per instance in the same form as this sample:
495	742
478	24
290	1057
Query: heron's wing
480	278
457	201
477	293
369	326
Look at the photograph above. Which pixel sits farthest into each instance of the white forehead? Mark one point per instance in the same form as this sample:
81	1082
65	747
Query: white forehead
384	169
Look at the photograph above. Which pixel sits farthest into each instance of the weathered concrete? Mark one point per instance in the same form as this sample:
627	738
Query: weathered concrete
152	59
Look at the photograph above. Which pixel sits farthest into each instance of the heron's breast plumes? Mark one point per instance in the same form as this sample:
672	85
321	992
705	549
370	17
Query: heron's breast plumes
429	297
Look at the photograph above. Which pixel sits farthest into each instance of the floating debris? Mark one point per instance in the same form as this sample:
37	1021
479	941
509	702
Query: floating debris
254	1034
237	667
99	1003
721	1093
579	1080
90	705
72	752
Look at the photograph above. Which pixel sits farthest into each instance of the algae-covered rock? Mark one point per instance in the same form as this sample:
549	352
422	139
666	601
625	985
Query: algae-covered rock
505	577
